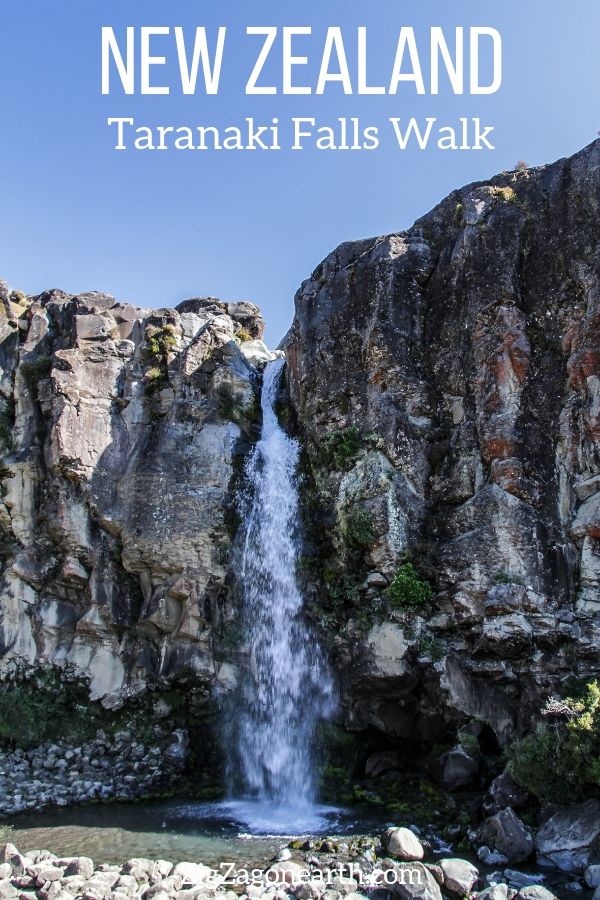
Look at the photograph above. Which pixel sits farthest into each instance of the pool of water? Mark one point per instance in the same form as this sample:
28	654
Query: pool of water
246	833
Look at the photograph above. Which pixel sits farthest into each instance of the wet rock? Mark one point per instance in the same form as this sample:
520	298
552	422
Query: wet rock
566	839
592	876
491	858
401	843
507	835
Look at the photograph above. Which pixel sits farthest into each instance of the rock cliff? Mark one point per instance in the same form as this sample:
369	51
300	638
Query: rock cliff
447	381
121	430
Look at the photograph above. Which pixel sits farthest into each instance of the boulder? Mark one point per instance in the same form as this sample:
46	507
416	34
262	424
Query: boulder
414	881
507	835
455	769
78	865
287	872
592	876
504	791
460	876
402	843
193	873
535	892
566	839
494	892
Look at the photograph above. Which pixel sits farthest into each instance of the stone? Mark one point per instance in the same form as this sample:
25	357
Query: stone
78	865
489	858
414	881
507	835
401	843
494	892
286	872
535	892
47	873
504	791
566	839
592	876
522	879
310	890
192	873
455	769
460	876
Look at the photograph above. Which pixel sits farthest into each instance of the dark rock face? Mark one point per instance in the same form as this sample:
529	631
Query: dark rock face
462	359
121	428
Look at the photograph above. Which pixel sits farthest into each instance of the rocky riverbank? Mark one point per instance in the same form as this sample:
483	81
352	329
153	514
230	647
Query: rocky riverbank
394	866
107	767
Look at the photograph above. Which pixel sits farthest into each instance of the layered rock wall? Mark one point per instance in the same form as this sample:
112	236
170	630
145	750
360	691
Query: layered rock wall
456	367
121	428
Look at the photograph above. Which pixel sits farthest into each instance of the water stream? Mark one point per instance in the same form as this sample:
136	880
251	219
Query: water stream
288	688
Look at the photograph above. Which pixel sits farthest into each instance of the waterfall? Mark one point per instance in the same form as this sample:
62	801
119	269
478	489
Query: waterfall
288	688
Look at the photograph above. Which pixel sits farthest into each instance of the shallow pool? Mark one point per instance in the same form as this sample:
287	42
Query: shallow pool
244	832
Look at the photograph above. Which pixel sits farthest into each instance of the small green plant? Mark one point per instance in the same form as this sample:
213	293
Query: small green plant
26	698
507	578
560	761
359	528
160	342
407	590
340	448
469	743
431	646
459	214
242	335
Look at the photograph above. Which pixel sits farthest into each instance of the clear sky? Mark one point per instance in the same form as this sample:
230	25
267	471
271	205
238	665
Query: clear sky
157	227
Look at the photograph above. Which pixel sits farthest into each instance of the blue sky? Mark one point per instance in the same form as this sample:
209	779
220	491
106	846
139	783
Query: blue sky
154	228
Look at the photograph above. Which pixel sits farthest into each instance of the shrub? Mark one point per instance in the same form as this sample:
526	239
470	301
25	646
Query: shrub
431	646
458	214
560	762
160	342
407	590
521	166
340	448
359	528
243	335
507	578
25	702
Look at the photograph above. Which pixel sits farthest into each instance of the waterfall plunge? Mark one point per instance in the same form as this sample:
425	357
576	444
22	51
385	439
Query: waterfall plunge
289	687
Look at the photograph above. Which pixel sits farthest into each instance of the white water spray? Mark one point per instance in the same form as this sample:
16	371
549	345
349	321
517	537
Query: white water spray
288	688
